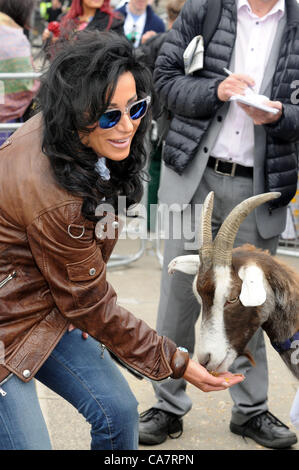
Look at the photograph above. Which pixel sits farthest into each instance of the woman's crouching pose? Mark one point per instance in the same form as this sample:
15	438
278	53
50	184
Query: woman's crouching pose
59	317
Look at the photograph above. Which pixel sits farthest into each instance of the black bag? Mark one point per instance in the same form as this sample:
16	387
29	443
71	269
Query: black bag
212	18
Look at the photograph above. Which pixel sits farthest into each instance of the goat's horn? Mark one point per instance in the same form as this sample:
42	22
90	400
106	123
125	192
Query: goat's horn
205	232
224	241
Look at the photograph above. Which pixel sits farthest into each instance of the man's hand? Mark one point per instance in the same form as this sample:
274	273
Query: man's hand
198	376
46	35
235	84
147	36
260	117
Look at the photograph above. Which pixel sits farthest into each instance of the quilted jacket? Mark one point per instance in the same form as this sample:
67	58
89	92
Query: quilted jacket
193	99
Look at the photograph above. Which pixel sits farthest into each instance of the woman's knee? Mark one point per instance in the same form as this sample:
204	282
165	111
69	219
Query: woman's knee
115	426
129	406
122	411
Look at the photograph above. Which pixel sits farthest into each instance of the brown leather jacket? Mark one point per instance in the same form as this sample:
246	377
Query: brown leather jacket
49	278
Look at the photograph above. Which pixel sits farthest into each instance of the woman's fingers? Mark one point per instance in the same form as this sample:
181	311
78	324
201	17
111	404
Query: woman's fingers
198	376
225	379
72	327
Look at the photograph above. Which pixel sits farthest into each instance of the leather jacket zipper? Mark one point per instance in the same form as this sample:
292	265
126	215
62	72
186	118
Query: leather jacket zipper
2	284
8	278
3	392
103	347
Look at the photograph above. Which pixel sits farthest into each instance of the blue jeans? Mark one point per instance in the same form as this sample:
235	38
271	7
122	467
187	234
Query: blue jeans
93	384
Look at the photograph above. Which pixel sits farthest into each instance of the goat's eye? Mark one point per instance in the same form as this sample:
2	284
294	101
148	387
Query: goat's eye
233	301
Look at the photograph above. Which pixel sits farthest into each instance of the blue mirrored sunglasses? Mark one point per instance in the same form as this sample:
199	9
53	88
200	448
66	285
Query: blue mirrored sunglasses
135	110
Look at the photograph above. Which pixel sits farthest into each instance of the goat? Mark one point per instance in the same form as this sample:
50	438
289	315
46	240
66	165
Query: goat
240	289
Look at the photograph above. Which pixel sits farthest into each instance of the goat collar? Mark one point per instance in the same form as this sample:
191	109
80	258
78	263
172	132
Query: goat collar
286	345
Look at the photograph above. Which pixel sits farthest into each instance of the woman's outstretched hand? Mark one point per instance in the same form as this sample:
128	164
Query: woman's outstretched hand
198	376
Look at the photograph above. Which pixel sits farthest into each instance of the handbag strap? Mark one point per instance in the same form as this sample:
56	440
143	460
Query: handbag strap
212	18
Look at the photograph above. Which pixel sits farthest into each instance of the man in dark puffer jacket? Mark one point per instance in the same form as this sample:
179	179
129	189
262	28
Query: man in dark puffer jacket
215	145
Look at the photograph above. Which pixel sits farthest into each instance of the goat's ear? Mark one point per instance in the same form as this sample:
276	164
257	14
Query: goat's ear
253	292
188	264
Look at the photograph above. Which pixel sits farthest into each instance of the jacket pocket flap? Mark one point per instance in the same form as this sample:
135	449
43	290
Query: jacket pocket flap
87	269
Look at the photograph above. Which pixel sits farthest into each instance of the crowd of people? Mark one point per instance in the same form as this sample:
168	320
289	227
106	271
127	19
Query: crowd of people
15	56
110	71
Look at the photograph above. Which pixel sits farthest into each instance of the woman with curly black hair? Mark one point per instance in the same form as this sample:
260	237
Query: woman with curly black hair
59	318
72	102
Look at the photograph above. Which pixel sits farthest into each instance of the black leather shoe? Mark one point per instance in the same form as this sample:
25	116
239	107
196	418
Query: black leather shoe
155	425
267	430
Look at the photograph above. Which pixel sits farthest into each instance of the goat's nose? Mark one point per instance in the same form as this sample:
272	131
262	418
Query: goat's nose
204	360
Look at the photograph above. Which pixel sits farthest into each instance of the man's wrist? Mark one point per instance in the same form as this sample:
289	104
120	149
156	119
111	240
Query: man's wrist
274	123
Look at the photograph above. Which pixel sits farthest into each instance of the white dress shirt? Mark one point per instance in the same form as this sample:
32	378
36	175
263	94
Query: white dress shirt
254	40
134	26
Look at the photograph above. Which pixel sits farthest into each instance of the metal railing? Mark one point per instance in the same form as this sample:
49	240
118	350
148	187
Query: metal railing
288	244
16	76
287	248
19	75
289	239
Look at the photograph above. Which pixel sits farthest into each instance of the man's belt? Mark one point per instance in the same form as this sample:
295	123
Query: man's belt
223	167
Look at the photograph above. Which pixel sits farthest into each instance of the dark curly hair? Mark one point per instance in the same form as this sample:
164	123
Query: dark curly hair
75	91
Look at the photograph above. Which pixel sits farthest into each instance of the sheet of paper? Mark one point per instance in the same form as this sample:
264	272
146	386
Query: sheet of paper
255	100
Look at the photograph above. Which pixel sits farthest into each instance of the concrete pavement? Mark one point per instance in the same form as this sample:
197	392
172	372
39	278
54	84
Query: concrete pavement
206	426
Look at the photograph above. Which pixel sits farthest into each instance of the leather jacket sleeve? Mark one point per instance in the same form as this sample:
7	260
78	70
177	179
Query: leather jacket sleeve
74	269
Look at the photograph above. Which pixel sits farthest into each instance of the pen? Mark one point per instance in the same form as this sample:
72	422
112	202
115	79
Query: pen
228	72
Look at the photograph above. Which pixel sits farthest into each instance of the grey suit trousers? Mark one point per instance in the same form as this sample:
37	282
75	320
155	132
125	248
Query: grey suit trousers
179	310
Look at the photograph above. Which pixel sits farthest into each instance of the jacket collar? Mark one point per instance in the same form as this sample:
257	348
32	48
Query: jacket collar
292	9
291	6
278	7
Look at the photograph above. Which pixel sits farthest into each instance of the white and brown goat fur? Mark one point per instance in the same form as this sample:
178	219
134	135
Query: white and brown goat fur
240	290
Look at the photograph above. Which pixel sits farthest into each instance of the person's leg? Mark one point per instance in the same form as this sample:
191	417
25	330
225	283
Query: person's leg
178	307
177	315
91	381
250	397
250	414
22	425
